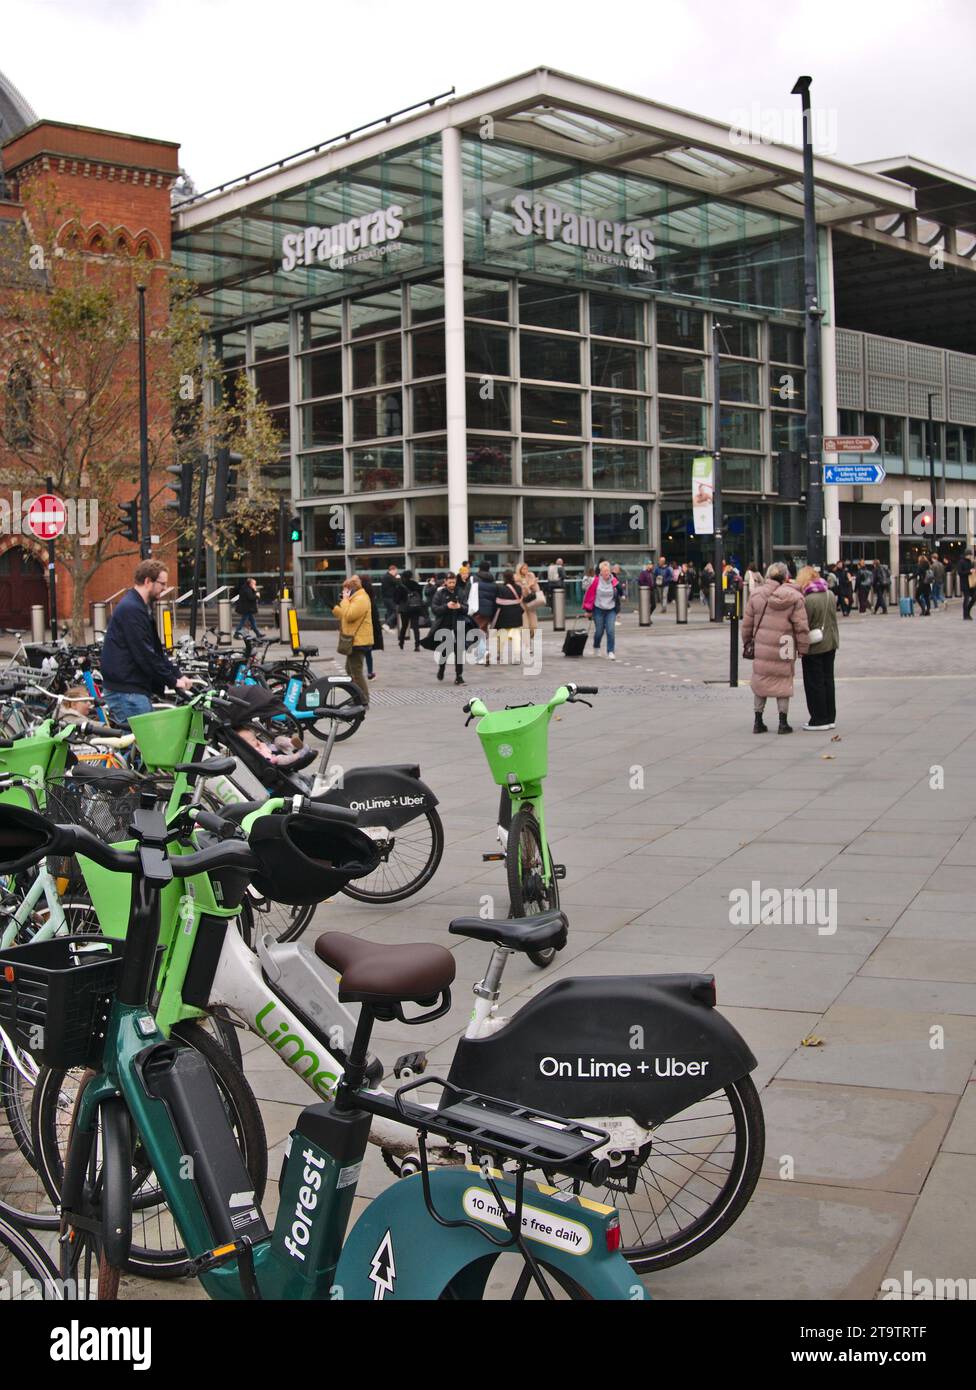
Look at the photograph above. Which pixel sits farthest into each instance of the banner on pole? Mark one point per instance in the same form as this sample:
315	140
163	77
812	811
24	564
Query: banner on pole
703	493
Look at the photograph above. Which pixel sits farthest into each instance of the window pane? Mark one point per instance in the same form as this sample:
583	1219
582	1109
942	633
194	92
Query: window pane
485	299
618	417
321	326
430	462
375	313
486	350
612	523
322	374
491	522
429	407
680	327
740	429
426	302
322	424
549	307
552	521
373	470
428	352
430	520
620	469
319	530
786	388
379	414
232	351
272	382
377	524
681	424
614	317
678	375
489	462
545	466
741	474
785	344
676	471
622	367
739	338
789	432
322	473
269	339
551	412
376	363
738	382
488	405
551	359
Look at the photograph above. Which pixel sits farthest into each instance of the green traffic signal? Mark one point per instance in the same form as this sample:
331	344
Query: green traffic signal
130	519
295	530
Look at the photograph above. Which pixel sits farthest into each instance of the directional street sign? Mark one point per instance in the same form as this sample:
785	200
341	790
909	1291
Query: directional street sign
850	444
853	474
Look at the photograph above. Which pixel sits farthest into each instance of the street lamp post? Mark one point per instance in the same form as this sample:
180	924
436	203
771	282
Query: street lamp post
814	313
718	558
145	543
930	454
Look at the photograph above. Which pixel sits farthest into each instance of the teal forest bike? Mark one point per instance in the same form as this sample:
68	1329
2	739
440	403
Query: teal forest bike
438	1235
516	743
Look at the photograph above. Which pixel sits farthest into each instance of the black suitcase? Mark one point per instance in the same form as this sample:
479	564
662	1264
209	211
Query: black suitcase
574	643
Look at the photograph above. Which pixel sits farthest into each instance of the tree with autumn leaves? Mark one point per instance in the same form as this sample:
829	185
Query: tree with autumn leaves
70	372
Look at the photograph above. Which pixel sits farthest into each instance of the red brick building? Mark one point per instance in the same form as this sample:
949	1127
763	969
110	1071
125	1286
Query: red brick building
119	188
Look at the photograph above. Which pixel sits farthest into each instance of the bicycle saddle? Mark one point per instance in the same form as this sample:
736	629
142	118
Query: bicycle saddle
377	974
106	777
517	933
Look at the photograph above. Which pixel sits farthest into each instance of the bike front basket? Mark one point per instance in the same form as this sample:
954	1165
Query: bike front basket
162	735
55	997
516	743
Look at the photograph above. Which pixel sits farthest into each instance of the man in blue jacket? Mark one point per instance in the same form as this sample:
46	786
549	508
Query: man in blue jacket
133	663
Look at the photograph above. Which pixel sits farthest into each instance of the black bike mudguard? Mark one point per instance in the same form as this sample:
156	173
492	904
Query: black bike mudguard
383	795
647	1046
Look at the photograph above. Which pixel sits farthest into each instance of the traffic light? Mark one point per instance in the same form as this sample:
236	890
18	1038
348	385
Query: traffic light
182	502
130	517
926	520
295	530
223	480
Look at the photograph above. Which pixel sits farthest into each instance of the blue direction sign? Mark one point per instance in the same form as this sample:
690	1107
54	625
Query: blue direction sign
853	474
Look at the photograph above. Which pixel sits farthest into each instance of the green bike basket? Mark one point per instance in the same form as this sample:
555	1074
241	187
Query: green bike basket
162	735
39	757
516	741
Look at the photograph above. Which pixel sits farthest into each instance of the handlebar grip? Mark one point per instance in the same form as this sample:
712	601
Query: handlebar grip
466	709
587	690
218	825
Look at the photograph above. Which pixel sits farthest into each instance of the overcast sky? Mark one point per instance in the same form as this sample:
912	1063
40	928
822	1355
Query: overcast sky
242	82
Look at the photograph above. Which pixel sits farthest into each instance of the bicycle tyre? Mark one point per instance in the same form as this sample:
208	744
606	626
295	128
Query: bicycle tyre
411	850
22	1193
336	697
171	1261
528	894
728	1202
21	1254
79	1247
483	1278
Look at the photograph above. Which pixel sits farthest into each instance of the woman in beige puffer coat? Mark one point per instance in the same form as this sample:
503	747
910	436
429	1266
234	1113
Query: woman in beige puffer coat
776	619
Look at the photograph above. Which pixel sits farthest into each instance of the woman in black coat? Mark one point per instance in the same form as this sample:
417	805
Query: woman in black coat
247	607
450	625
409	600
377	646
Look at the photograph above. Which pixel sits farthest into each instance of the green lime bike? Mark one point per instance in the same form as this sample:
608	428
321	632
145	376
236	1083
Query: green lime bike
516	743
438	1235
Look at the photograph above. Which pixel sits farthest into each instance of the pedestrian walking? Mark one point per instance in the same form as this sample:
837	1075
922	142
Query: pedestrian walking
923	584
532	600
485	616
774	632
865	581
388	591
818	662
449	628
377	643
409	601
707	580
752	580
938	581
845	589
966	571
600	603
355	630
246	607
880	579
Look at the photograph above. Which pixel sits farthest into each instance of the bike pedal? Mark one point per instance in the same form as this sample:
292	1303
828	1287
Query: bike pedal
413	1063
492	858
559	870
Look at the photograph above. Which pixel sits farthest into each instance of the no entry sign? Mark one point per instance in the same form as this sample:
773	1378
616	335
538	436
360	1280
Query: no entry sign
46	517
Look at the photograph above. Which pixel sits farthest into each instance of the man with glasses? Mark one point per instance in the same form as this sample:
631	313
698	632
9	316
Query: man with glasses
133	663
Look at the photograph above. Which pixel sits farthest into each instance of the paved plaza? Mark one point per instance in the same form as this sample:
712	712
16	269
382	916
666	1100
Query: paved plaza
661	802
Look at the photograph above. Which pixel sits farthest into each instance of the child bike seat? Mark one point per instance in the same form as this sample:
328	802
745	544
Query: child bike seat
378	974
517	933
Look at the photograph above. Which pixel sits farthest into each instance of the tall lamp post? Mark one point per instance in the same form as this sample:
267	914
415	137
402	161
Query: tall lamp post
145	543
718	558
930	453
814	313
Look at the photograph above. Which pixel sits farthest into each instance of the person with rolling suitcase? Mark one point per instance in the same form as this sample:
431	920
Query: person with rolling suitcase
574	643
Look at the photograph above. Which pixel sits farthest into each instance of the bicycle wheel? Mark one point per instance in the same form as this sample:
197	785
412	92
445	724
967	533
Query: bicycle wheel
506	1277
97	1177
22	1192
691	1181
411	855
156	1249
339	697
27	1275
529	894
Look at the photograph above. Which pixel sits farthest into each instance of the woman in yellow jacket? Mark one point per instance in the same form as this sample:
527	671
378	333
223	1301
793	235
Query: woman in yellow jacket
355	622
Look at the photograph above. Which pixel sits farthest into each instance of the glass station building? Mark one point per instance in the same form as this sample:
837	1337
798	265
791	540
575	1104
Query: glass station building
486	331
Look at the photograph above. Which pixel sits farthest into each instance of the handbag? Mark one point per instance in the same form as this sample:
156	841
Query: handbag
816	635
347	640
749	646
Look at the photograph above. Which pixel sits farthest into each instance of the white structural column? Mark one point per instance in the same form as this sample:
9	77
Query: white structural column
828	363
457	464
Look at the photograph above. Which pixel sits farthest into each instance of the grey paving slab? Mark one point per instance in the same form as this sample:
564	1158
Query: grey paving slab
953	878
910	959
887	843
940	1238
851	941
961	1138
772	1034
851	1136
936	997
867	886
888	1047
796	980
695	941
944	926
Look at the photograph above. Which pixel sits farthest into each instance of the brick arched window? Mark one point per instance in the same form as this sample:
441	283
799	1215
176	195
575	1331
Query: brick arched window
19	407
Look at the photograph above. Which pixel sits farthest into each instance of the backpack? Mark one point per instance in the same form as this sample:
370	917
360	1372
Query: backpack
884	574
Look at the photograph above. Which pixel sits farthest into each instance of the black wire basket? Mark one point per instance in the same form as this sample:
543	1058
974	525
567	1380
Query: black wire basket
55	997
104	808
